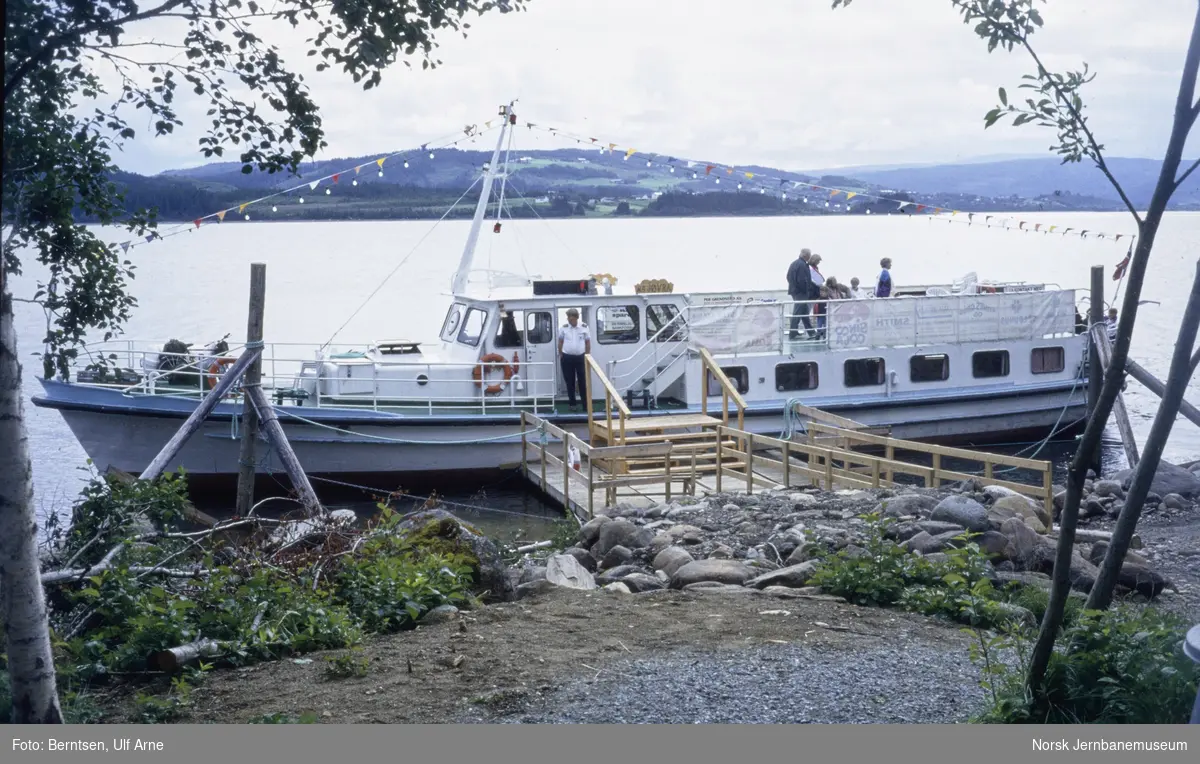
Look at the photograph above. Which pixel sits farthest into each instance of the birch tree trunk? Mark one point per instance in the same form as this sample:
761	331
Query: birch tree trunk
22	601
1177	381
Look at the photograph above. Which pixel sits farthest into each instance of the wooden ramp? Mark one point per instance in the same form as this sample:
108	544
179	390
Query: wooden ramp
648	460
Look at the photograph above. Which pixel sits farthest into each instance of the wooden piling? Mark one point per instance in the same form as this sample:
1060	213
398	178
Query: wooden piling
193	422
1103	351
254	336
1095	370
274	431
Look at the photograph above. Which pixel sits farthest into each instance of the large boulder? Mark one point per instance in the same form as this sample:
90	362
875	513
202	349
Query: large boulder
565	571
671	559
590	531
1168	478
621	532
794	576
712	570
618	555
907	504
963	511
584	556
642	582
996	546
1141	579
1025	507
1030	550
438	531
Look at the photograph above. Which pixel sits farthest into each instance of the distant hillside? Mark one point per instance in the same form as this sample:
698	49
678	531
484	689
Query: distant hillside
1031	178
584	181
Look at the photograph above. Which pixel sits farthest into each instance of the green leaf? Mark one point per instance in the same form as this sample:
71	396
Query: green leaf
1003	97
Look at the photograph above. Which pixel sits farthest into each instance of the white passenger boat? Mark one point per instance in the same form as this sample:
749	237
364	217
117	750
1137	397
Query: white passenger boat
967	362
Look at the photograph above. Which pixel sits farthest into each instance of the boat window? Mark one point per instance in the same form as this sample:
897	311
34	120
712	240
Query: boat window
796	376
453	319
508	332
659	316
539	327
990	363
929	368
616	324
472	327
862	372
738	375
1048	360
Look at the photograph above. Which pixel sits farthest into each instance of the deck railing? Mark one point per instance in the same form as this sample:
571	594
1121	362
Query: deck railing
729	392
425	387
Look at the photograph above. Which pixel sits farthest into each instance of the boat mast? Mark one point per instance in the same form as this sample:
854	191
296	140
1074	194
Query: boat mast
490	172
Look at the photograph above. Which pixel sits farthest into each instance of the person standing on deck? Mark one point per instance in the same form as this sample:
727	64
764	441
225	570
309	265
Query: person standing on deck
574	342
817	292
799	280
883	287
855	292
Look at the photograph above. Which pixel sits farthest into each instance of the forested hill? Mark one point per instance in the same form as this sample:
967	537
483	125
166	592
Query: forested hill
564	182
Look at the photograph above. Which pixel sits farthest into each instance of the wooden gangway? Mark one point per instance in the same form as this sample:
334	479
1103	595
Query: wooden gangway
641	459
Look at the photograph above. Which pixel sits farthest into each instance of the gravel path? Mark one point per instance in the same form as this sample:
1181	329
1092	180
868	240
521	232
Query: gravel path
771	684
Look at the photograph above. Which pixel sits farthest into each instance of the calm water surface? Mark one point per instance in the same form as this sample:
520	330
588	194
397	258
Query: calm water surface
195	287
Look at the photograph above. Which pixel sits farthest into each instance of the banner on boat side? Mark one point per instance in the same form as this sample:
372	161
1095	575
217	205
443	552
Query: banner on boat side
939	320
737	327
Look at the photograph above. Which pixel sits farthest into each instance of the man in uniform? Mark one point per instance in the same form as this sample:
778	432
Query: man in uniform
574	342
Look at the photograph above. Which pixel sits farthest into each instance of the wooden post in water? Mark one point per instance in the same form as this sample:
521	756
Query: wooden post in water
254	336
1138	372
1095	370
274	430
198	416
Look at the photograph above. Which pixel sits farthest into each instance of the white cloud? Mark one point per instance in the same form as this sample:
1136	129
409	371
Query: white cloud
789	83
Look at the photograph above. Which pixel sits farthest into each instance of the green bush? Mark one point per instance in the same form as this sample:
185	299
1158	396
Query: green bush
879	576
348	664
1127	667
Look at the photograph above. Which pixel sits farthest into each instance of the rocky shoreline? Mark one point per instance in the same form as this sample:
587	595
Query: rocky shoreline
773	540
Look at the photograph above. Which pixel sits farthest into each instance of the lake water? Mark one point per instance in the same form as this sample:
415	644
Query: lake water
195	287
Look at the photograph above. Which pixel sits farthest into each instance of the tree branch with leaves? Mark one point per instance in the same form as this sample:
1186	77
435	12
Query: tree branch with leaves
57	166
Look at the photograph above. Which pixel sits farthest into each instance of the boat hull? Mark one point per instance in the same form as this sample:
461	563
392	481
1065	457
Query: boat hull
384	451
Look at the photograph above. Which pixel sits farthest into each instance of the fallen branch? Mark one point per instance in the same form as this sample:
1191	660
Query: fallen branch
62	576
532	547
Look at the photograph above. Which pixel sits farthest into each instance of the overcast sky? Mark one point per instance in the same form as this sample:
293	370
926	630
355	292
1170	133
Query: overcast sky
792	84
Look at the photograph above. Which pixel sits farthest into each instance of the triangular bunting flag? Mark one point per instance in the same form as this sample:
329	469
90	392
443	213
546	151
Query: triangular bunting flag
356	169
835	193
242	208
380	161
903	205
221	215
630	153
920	208
749	175
729	171
124	246
593	140
850	195
612	146
1083	234
708	169
1051	229
196	222
1022	226
336	176
1119	236
691	163
314	185
149	238
1037	227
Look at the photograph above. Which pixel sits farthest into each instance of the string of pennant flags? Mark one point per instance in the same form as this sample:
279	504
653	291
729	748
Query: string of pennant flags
787	188
471	132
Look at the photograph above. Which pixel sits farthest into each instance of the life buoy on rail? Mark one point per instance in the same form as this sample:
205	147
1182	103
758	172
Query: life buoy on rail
493	362
217	369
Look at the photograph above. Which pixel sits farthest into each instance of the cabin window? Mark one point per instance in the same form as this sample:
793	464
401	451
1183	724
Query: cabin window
508	332
1048	360
990	363
453	319
796	376
929	368
539	327
472	327
660	316
863	372
738	375
617	324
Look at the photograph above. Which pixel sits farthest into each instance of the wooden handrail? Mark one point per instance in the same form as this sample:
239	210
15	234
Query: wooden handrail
611	395
729	391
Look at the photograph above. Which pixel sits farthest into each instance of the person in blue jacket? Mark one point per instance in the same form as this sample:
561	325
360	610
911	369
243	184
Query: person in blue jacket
883	287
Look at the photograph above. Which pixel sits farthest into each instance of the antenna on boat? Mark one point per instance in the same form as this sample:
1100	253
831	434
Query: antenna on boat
491	170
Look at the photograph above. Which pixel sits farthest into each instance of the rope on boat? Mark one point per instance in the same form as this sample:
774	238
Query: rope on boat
403	441
792	423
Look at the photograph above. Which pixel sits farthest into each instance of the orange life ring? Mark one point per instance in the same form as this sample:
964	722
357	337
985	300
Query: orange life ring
216	370
490	362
